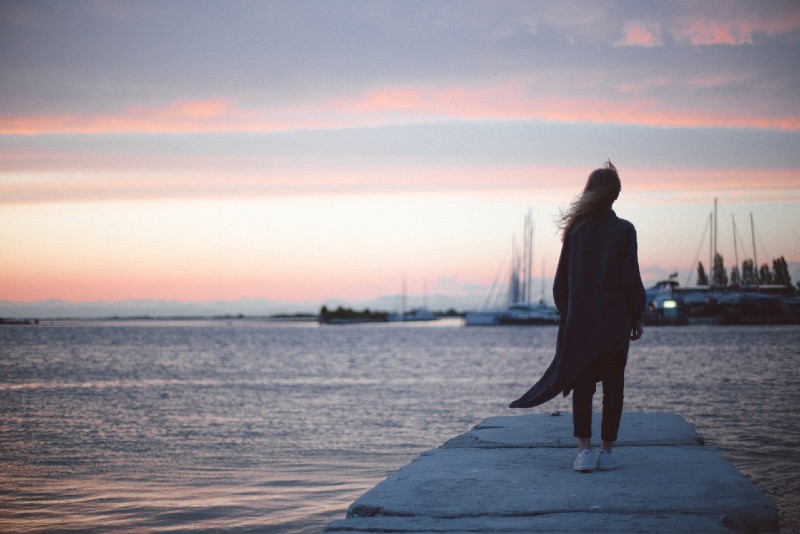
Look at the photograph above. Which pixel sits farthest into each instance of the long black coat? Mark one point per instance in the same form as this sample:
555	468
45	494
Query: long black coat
599	293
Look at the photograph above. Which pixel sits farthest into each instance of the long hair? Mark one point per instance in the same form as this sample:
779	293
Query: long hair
602	189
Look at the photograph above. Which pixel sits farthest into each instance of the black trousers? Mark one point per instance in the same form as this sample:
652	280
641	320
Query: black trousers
610	370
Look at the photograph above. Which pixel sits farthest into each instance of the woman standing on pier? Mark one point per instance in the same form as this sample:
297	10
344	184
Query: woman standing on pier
599	293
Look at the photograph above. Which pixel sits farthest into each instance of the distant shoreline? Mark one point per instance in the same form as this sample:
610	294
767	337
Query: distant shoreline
300	317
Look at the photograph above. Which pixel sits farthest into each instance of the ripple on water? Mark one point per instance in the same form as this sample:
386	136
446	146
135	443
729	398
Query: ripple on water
179	426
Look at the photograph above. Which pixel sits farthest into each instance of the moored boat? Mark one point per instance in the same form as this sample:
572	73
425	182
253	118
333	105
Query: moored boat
664	306
417	314
529	314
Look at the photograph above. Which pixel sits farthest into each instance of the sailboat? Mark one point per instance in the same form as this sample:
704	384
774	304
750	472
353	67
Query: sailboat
519	309
415	314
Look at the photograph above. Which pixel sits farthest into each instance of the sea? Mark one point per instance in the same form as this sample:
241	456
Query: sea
253	425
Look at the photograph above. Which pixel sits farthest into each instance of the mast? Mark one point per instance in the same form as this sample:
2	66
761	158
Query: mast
521	279
527	254
711	248
524	264
513	281
756	274
735	249
714	258
529	260
542	301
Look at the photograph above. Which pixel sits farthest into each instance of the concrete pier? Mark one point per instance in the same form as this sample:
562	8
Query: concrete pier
514	474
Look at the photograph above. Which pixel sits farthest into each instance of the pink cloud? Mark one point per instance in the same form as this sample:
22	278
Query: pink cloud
700	33
409	104
216	115
691	181
199	110
641	34
513	102
732	24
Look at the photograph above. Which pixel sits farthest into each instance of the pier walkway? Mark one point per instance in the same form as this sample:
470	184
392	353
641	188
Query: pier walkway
514	474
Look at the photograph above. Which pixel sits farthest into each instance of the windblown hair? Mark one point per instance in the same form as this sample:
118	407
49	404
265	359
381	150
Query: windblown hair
602	189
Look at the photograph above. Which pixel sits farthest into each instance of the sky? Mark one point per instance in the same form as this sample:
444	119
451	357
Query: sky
306	151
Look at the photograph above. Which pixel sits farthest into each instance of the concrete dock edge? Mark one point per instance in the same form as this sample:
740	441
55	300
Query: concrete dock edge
514	474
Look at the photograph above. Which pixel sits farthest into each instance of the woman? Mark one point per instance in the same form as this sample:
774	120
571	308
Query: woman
599	293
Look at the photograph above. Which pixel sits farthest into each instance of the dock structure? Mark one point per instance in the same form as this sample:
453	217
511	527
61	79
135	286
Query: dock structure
514	474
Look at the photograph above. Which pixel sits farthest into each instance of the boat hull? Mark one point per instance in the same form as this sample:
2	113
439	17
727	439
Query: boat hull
515	315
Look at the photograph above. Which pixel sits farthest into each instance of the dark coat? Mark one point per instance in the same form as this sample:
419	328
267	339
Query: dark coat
599	293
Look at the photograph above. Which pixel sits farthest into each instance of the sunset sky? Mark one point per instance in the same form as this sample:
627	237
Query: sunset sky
305	151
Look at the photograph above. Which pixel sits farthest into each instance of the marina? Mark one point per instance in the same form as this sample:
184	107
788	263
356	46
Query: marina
748	296
670	304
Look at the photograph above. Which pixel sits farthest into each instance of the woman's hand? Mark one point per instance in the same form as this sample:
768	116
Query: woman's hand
637	330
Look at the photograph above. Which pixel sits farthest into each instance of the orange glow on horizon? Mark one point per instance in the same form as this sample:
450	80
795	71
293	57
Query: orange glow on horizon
95	186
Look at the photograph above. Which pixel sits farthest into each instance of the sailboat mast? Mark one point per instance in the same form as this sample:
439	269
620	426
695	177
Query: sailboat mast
529	259
542	301
523	296
735	248
756	275
711	247
717	276
514	284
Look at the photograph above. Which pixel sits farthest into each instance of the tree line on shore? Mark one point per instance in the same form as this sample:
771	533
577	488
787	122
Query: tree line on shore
749	275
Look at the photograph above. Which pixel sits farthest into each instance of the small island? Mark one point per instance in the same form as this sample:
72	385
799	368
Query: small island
349	316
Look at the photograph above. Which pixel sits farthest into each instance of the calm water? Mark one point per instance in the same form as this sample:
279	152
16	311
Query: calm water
278	427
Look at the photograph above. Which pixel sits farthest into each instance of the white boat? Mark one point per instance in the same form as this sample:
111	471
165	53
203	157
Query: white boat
515	314
528	314
481	318
417	314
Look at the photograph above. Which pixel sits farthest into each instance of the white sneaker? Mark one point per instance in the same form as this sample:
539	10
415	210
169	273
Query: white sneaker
605	461
584	462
